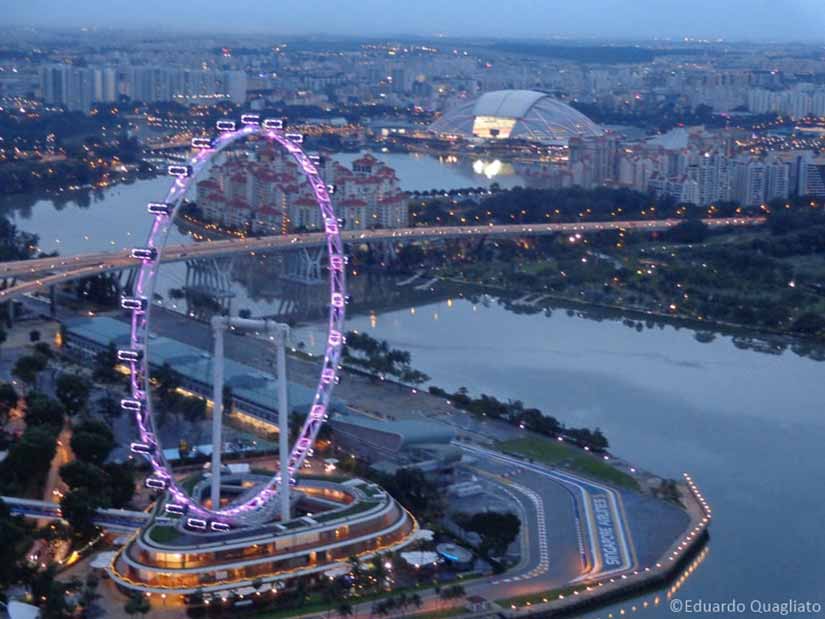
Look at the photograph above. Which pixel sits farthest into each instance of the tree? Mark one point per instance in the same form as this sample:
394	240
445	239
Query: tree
79	474
356	570
453	592
90	594
73	391
8	400
28	367
30	457
42	410
414	491
44	350
92	441
379	572
105	362
109	408
690	231
810	323
138	604
167	381
122	480
56	606
12	546
78	508
497	530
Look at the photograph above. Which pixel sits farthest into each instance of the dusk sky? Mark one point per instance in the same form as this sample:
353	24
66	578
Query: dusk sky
733	19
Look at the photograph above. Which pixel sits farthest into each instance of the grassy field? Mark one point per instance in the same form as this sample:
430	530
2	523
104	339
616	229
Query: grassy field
163	534
574	459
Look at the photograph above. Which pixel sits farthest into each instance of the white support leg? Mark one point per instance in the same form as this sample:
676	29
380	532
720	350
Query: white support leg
218	326
281	333
283	421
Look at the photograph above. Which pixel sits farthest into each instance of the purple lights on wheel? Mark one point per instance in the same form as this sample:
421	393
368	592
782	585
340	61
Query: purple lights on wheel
138	355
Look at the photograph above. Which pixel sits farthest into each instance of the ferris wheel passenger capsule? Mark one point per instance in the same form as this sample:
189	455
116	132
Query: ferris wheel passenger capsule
136	304
174	509
130	356
160	208
181	171
156	483
273	123
147	254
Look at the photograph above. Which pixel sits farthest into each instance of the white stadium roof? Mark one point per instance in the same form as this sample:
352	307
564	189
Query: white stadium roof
506	103
516	114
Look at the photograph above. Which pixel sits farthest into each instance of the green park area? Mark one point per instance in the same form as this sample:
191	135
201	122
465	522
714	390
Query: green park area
163	534
559	454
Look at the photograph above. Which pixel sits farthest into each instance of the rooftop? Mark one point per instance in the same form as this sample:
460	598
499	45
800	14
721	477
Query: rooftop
409	433
507	103
192	363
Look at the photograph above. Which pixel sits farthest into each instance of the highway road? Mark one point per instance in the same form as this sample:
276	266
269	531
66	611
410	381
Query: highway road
47	271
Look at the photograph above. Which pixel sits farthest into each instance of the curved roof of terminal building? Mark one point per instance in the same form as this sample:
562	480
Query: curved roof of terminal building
410	432
516	114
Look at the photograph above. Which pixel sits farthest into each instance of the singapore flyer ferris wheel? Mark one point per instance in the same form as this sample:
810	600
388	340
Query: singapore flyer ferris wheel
137	356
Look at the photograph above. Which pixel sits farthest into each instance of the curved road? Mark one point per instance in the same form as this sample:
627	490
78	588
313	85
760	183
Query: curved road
49	271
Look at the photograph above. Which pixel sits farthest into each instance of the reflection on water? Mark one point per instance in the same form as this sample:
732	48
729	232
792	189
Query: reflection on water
81	222
747	425
655	603
419	172
490	169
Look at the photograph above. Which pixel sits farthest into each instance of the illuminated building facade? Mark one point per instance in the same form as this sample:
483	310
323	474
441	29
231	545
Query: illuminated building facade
335	521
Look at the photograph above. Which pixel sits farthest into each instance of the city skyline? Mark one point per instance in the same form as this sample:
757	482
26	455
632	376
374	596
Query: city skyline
474	321
740	20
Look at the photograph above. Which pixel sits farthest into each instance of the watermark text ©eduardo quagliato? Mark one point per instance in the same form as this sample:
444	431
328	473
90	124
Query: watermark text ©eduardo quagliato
775	608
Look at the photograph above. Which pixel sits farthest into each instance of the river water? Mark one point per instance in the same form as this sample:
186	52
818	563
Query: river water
115	217
747	425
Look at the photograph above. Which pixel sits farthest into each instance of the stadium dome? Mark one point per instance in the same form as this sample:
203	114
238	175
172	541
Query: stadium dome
516	115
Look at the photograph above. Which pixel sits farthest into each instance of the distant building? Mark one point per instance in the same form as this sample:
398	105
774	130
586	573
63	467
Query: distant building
596	157
268	194
811	175
77	88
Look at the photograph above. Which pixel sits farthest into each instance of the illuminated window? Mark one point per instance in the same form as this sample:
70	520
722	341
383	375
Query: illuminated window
493	127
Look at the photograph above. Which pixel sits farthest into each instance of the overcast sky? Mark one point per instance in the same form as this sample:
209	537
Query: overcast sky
732	19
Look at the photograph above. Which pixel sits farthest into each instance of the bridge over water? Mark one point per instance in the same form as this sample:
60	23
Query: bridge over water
44	272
